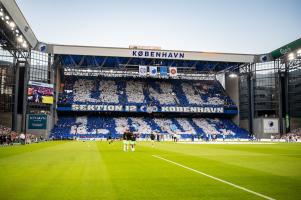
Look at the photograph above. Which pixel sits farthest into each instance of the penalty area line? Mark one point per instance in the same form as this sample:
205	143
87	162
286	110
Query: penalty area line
215	178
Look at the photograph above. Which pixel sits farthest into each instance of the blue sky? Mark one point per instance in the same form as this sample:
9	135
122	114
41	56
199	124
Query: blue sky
239	26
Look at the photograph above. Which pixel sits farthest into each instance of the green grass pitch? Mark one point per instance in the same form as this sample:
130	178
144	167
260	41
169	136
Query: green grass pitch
98	170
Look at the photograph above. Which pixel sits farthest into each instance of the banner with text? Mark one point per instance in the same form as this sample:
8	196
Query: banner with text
37	121
143	108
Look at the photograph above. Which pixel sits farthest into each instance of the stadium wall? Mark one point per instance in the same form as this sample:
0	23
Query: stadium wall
295	123
6	119
32	128
257	128
244	124
265	127
57	81
19	123
232	89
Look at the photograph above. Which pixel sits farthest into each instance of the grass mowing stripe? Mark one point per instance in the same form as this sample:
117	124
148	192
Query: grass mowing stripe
215	178
14	150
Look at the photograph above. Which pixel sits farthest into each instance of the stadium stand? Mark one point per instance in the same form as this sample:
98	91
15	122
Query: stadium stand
154	92
9	137
100	127
82	90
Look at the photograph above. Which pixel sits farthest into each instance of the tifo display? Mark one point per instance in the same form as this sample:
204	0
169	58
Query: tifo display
207	99
144	95
166	128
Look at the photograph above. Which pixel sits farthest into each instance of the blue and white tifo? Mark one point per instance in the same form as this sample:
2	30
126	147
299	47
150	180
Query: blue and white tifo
147	91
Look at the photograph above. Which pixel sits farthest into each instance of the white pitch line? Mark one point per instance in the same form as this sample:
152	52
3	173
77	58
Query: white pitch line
215	178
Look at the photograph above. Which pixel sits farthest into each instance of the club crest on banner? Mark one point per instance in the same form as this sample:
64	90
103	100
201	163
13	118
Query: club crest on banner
142	70
153	71
163	71
173	71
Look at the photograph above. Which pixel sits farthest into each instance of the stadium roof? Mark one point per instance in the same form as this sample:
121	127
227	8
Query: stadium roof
15	16
89	56
150	53
110	57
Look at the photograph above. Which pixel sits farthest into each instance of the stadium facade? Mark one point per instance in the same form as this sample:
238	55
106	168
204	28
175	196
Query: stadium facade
67	91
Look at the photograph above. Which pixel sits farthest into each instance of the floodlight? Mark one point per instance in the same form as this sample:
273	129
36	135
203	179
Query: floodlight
232	75
1	14
299	53
24	44
12	24
7	17
20	39
291	56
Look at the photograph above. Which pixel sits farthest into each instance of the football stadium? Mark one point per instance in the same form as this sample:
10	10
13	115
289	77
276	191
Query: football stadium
143	122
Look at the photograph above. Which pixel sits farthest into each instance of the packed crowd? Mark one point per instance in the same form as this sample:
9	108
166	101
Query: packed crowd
97	126
293	136
91	91
9	137
159	92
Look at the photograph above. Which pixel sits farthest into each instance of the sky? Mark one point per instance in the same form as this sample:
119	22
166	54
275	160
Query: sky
231	26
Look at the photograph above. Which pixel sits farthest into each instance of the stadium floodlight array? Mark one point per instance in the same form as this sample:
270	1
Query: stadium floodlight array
299	53
291	56
294	55
13	27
